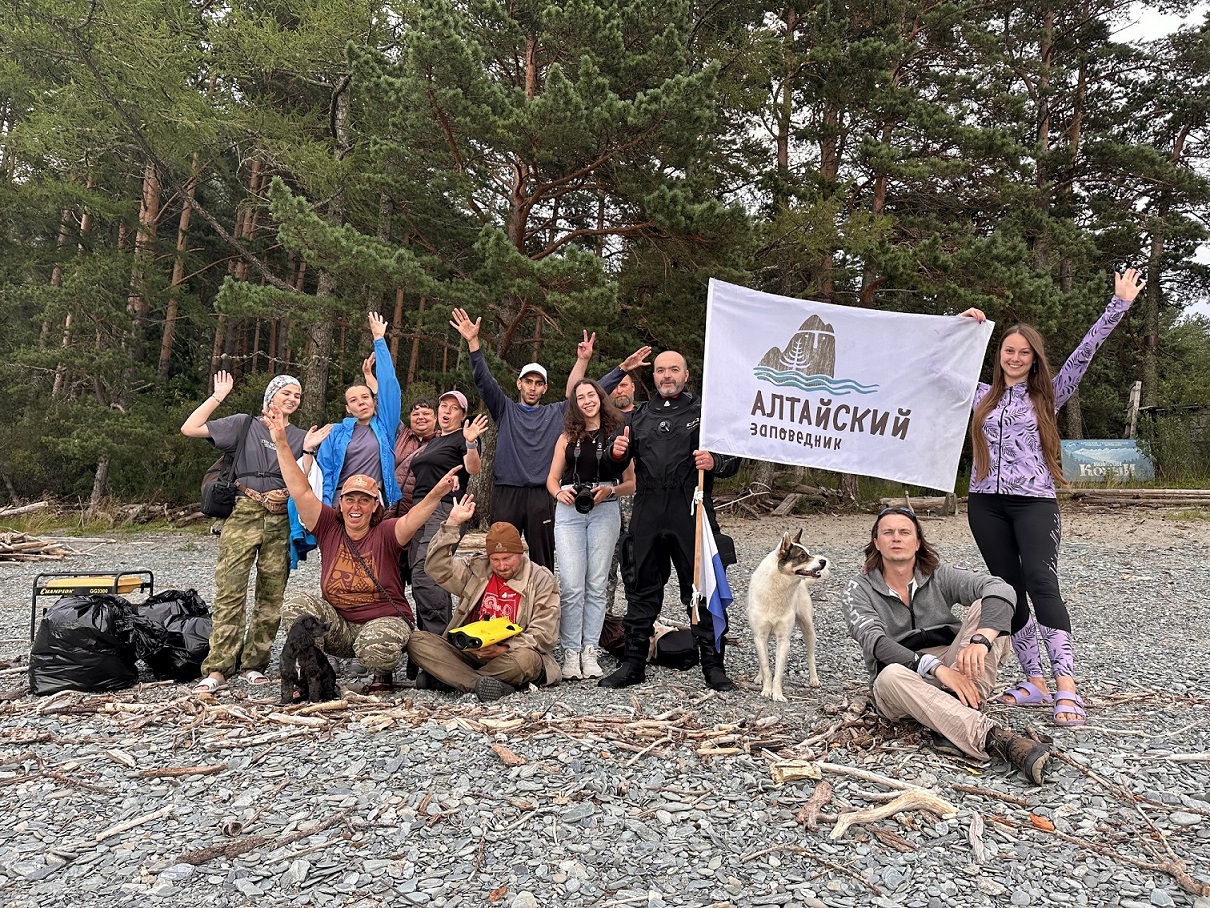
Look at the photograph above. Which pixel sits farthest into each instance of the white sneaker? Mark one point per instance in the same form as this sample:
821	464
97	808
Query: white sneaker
588	663
571	666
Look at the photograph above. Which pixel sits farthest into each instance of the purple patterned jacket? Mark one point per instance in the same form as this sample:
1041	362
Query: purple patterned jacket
1016	465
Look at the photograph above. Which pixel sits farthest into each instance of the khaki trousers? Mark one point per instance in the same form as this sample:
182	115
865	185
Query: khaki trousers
460	670
900	693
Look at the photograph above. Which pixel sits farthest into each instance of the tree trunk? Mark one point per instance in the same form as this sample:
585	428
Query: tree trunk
100	483
1151	305
144	255
178	272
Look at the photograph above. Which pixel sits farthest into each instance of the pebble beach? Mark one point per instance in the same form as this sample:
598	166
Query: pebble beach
664	794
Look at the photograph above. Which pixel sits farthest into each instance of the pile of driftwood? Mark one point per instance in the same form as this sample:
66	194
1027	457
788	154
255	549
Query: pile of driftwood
22	547
758	499
1140	498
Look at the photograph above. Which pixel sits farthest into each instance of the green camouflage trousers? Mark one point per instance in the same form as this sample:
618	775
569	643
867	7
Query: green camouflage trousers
379	644
241	638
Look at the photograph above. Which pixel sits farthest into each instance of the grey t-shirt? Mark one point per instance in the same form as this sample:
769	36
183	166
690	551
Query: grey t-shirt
256	464
361	456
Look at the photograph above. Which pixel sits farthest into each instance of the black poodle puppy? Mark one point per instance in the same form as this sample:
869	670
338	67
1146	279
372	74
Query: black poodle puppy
304	666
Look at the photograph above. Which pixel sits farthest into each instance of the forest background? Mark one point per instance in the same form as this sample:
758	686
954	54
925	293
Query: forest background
194	185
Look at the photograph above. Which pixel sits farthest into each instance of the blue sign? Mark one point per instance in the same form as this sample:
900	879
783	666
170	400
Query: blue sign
1106	460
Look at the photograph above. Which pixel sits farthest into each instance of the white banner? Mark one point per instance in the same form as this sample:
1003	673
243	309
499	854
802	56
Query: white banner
852	390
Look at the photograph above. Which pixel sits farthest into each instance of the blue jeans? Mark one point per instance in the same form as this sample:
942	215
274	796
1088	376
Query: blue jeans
584	548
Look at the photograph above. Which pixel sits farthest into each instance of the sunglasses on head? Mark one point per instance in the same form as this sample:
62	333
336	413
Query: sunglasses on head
897	509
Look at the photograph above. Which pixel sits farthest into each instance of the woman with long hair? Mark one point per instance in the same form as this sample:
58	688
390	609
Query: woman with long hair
586	484
1013	510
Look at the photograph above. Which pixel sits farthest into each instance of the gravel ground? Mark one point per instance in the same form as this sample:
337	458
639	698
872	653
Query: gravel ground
657	795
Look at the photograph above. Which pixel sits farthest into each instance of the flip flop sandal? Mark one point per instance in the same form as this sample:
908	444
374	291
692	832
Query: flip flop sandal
255	678
1072	703
1026	694
209	686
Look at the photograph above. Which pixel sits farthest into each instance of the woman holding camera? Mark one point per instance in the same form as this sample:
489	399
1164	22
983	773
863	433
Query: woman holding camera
586	485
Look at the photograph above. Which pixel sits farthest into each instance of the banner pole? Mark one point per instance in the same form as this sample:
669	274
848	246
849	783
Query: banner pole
699	517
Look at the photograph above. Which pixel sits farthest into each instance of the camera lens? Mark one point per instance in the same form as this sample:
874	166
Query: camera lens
584	499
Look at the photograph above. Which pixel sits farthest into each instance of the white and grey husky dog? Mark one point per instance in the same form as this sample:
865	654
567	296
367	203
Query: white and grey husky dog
779	597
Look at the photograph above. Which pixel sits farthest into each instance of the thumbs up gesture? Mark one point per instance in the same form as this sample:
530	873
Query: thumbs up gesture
621	444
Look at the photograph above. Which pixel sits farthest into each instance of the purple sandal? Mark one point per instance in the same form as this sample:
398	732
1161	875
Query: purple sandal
1072	703
1026	694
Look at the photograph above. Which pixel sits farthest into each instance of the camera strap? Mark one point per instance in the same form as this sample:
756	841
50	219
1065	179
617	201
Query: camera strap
599	437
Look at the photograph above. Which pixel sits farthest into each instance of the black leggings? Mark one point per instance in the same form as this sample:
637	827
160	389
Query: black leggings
1018	536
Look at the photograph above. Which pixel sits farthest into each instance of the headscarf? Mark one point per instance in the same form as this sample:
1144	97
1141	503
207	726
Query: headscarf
276	384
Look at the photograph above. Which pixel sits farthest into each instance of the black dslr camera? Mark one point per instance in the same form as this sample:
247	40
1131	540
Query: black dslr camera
585	501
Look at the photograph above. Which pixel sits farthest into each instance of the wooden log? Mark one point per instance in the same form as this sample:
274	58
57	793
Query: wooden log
787	504
947	505
24	509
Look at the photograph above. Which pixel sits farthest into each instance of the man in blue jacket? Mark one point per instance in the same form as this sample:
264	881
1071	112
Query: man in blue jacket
526	434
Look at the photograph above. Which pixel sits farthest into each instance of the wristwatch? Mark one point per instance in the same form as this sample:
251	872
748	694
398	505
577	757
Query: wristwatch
979	638
472	445
311	453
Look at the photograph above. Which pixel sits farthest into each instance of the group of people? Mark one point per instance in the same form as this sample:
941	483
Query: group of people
388	502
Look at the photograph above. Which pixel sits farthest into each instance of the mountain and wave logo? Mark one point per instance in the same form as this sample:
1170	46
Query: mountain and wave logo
808	362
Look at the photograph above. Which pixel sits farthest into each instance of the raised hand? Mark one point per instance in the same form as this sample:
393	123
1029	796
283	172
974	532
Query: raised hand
367	367
461	322
224	384
462	511
584	348
636	359
275	421
473	428
621	444
1128	284
315	436
378	326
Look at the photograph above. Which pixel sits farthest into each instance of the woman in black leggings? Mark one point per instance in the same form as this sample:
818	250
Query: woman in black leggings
1013	511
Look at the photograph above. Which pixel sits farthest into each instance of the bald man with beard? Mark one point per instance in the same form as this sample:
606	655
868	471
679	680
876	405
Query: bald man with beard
662	440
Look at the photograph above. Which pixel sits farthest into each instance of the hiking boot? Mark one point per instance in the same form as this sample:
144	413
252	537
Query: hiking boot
1023	754
634	662
425	681
944	745
712	665
589	667
488	689
571	666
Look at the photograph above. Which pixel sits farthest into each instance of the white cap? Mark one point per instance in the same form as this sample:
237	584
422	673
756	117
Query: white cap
532	367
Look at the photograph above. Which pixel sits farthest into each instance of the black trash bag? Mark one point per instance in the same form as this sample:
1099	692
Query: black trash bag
84	643
185	620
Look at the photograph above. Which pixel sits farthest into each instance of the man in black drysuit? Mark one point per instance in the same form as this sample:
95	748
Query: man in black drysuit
662	439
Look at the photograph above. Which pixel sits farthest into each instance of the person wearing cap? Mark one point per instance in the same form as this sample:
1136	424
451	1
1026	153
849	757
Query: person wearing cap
503	582
362	599
253	532
527	432
456	447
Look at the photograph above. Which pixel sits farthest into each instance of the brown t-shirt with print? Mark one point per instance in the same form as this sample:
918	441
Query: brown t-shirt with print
344	583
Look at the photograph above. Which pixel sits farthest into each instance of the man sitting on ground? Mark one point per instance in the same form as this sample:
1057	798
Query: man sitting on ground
924	662
502	583
363	604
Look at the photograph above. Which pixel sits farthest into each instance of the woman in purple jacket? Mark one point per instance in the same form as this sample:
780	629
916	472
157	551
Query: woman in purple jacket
1013	511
